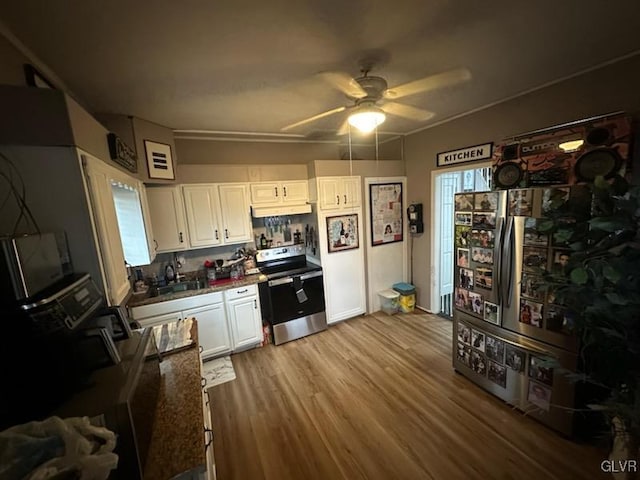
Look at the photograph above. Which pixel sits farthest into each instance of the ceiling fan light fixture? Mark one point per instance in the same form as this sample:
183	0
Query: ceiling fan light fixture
366	119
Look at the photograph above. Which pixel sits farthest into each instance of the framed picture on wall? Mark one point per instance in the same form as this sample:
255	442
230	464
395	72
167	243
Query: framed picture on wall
342	233
386	213
159	160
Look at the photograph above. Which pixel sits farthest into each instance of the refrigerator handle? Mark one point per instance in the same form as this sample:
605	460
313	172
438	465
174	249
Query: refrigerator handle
507	274
498	265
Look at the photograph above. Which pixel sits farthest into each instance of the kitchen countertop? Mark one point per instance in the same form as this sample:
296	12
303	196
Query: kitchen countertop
146	299
177	442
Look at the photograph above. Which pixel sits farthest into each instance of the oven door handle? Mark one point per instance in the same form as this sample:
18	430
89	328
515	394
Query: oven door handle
285	280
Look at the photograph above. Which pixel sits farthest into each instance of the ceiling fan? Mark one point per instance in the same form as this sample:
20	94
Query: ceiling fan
372	98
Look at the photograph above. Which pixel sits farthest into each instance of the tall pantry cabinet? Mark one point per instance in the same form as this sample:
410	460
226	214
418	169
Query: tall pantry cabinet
338	200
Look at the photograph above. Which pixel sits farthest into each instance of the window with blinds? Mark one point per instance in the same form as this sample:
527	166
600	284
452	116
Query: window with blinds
131	223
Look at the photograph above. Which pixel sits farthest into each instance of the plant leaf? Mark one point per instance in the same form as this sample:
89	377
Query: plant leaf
608	224
579	276
545	226
615	298
611	274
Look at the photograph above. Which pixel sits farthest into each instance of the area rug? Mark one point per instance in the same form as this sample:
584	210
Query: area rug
217	371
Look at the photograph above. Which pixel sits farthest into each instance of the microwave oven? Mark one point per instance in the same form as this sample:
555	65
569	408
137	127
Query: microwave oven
123	398
33	263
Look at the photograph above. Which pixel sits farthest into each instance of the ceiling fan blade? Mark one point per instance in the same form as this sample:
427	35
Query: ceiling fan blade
344	128
407	111
314	118
345	83
431	82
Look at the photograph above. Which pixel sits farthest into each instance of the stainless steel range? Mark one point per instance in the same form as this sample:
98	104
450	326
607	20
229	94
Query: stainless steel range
292	298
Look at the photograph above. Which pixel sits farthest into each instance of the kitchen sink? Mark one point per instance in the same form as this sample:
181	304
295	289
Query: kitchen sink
177	287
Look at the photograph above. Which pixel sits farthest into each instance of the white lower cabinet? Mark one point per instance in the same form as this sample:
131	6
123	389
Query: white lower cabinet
213	330
227	321
243	309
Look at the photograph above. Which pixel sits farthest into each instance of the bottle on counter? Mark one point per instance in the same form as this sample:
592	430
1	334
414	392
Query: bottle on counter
297	237
263	241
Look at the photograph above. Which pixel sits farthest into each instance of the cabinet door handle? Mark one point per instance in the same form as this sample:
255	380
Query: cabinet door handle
226	233
203	382
338	197
217	236
285	191
276	191
201	348
156	242
242	291
180	236
255	304
345	199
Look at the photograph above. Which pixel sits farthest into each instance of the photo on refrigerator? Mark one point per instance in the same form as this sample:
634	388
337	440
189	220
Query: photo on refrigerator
515	358
520	202
531	313
463	218
494	349
539	395
464	354
486	201
560	319
541	369
482	238
534	260
462	234
463	201
478	363
497	374
477	307
462	256
465	278
484	220
491	313
532	235
464	333
484	277
477	339
482	255
533	287
554	198
462	299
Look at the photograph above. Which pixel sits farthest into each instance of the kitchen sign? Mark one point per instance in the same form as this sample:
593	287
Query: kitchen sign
463	155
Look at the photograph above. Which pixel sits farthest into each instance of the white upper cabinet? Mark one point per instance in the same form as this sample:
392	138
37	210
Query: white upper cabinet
235	214
200	215
335	193
166	209
294	192
203	215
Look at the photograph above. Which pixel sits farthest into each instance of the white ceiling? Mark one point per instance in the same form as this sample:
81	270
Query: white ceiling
251	66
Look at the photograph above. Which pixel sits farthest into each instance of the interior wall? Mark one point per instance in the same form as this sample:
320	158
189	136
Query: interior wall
611	88
240	173
11	61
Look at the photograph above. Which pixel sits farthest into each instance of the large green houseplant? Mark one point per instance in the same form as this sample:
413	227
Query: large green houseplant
601	286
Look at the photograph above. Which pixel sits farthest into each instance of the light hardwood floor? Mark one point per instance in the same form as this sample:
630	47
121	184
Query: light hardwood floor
376	397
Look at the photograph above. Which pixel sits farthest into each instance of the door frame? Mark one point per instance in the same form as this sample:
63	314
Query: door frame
434	234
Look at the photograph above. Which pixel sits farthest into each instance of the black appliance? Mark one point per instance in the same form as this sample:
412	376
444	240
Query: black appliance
32	264
123	398
292	298
51	344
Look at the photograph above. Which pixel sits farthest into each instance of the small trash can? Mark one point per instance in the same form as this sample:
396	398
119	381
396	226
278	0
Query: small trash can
407	300
389	301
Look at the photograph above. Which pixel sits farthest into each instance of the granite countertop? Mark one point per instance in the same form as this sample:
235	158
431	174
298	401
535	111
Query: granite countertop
146	299
177	442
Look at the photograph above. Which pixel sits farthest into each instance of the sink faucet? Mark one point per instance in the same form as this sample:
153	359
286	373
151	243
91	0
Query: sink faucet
179	276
